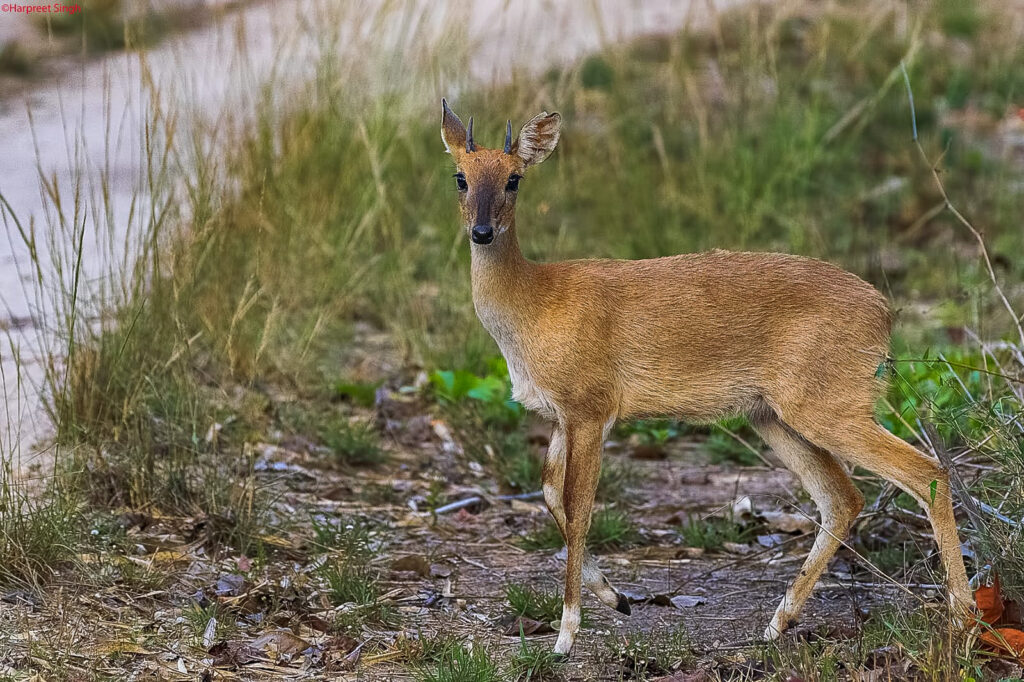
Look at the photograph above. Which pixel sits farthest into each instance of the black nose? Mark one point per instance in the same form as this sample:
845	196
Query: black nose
483	234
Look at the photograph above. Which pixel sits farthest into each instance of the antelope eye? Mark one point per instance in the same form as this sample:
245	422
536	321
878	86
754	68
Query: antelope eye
513	183
460	182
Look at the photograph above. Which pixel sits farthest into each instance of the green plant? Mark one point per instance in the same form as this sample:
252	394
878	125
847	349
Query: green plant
197	619
655	652
38	534
351	441
895	559
351	584
462	663
731	440
538	604
353	536
651	431
520	468
360	393
491	392
546	536
534	662
354	443
610	528
711	532
617	477
348	583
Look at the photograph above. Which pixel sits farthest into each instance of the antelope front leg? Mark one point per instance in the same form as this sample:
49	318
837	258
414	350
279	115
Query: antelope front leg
554	482
582	470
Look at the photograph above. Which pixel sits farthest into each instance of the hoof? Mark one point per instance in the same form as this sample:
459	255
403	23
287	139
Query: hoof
775	629
623	605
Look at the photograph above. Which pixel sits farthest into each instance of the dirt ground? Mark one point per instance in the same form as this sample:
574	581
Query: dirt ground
443	573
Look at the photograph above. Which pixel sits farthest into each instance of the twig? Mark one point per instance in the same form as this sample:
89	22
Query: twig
476	499
959	216
743	442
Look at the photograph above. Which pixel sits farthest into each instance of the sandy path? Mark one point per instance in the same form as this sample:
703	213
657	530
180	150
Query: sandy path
91	125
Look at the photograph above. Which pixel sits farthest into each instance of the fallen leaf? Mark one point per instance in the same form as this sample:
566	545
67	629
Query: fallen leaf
1005	641
635	596
685	601
229	585
527	626
282	642
448	442
233	654
989	599
209	632
772	539
439	571
415	563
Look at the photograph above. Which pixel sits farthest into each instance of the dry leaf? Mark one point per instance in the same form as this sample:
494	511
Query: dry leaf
527	626
415	563
282	642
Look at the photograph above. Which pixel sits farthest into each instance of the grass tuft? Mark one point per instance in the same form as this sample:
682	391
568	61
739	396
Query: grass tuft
712	532
538	604
656	652
535	662
462	663
610	528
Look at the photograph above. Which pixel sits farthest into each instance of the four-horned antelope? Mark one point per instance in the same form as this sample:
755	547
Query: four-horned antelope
792	343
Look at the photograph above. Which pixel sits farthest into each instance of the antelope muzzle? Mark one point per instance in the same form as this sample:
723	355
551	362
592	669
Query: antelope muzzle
482	234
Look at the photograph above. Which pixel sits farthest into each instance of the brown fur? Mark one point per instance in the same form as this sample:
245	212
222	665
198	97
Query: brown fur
792	342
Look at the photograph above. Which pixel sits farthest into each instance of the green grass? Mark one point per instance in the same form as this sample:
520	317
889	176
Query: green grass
538	604
197	619
462	663
348	583
350	440
645	654
544	537
535	662
617	478
353	537
920	637
610	529
712	532
38	536
351	585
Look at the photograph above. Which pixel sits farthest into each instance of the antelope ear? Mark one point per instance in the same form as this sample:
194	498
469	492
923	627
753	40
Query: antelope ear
453	133
538	138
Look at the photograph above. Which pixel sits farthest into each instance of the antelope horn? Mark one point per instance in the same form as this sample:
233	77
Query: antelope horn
508	137
470	147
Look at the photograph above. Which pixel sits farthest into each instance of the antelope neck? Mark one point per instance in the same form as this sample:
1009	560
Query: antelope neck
501	275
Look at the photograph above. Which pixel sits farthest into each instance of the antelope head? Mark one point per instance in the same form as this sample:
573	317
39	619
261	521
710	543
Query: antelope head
488	179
